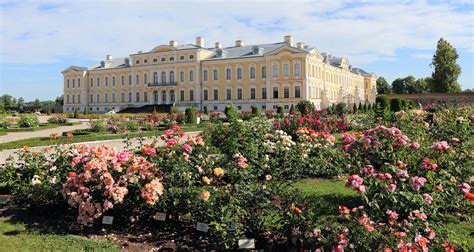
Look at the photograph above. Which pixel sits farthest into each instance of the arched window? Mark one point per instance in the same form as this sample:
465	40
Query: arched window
163	59
204	74
297	92
228	74
191	75
181	76
155	96
264	72
172	96
275	70
171	76
252	72
191	56
296	71
239	73
155	77
163	96
155	60
286	69
171	58
216	74
163	77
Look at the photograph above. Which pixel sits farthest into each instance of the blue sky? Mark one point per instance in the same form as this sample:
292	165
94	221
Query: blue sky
39	39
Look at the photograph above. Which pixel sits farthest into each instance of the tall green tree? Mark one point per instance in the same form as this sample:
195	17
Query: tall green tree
7	101
59	100
398	86
446	70
383	87
21	102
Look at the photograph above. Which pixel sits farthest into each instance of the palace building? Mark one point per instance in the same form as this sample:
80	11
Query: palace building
193	75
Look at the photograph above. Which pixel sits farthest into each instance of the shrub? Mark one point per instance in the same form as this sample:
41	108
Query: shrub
396	104
280	111
339	108
292	109
382	102
173	110
354	108
206	110
76	113
305	107
231	113
28	121
58	119
98	125
404	104
360	108
190	115
5	123
364	108
86	111
255	111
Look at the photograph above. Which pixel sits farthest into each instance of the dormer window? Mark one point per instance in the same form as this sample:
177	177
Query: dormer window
256	50
127	61
163	59
137	62
155	60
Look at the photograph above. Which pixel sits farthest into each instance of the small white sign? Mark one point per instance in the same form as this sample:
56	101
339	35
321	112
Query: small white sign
160	216
203	227
231	226
247	244
107	220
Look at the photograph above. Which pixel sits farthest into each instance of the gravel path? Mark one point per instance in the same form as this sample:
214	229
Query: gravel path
117	143
13	136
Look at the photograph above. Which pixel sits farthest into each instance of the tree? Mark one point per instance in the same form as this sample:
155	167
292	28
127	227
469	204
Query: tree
382	102
21	102
446	70
383	87
354	108
59	100
7	101
420	86
409	83
398	86
396	104
37	104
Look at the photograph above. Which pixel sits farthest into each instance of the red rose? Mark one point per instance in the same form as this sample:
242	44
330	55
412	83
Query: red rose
72	174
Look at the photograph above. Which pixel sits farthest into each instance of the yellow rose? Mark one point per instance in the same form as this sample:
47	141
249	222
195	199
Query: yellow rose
206	180
205	196
218	172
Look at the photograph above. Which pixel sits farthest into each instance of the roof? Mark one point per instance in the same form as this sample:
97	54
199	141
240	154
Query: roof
247	51
113	63
361	72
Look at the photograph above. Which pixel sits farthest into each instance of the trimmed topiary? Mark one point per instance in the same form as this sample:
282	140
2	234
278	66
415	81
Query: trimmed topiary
382	102
396	104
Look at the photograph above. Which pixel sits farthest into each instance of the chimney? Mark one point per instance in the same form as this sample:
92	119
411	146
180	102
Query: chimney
200	42
218	45
173	43
300	45
139	52
108	57
239	43
289	40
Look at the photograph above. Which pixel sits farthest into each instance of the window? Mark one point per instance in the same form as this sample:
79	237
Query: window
264	93
73	83
78	83
181	95
106	97
97	98
137	98
113	97
155	60
239	94
229	94
191	95
163	96
216	74
90	109
155	77
191	56
78	98
216	94
264	107
171	58
68	83
92	82
172	96
287	106
228	75
130	97
163	59
122	80
137	62
215	108
286	92
275	92
252	93
191	75
239	73
171	76
129	80
122	98
98	81
204	74
264	72
137	79
163	77
181	76
145	79
286	69
252	72
205	95
181	57
106	81
275	70
97	108
297	69
145	61
145	97
297	92
91	98
113	80
73	99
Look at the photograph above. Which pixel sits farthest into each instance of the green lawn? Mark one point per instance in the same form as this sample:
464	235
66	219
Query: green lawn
15	237
328	195
43	141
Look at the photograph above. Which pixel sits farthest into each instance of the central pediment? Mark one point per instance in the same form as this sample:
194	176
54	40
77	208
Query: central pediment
162	48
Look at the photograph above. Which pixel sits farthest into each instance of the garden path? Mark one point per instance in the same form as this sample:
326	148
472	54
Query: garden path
116	143
13	136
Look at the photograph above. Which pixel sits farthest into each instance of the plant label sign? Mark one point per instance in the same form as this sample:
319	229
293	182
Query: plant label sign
247	244
203	227
160	216
231	226
107	220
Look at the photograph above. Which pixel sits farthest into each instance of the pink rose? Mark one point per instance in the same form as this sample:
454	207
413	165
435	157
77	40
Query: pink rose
169	132
172	142
187	148
150	151
427	198
122	156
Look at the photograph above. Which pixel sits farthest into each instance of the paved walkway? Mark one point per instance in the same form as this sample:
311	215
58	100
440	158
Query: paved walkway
117	143
13	136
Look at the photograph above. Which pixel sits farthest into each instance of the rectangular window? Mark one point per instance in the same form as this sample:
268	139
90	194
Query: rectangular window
67	98
204	74
106	81
67	83
239	73
297	69
137	79
275	92
73	83
181	76
98	81
275	70
91	99
191	95
123	80
92	82
264	93
229	94
145	79
73	99
137	97
130	97
239	94
228	74
78	98
216	94
145	97
113	97
216	74
113	80
286	70
97	98
252	73
286	92
78	83
129	80
122	98
106	99
205	95
191	75
181	95
297	92
264	72
252	93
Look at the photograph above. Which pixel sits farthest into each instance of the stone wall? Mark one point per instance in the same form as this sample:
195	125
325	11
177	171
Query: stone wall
426	99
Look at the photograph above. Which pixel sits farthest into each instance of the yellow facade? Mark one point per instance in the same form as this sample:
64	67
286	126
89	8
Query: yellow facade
265	76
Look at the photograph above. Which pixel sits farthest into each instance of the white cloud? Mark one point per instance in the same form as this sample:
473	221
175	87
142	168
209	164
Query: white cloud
51	32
